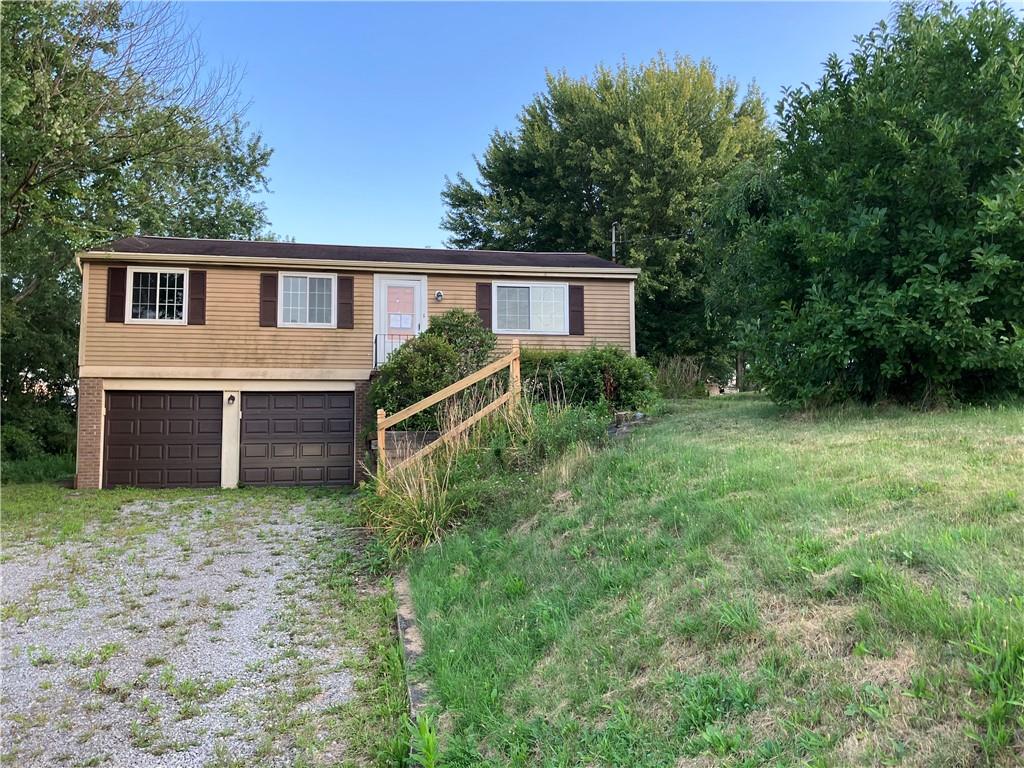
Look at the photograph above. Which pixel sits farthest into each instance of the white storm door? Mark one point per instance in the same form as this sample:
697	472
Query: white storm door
399	313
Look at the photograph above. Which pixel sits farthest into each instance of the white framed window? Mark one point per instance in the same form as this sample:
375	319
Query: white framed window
531	308
156	296
306	300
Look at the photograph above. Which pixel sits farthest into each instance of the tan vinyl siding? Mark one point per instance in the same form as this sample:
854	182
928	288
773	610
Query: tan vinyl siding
232	336
605	310
233	339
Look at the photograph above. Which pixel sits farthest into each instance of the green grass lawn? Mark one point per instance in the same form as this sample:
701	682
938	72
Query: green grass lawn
734	585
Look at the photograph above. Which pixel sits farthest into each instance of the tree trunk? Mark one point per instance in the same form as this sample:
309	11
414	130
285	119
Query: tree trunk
741	370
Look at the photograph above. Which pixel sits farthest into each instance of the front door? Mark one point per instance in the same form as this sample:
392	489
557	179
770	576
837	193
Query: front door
399	313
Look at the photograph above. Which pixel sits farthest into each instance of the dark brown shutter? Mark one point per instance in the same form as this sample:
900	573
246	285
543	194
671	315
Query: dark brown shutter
483	304
575	310
268	299
117	279
197	297
346	302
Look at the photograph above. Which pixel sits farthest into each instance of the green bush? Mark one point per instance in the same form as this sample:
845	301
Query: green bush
596	375
468	337
417	369
37	428
453	346
893	265
38	469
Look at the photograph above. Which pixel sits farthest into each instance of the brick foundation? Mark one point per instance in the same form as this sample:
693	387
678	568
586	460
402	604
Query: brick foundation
363	422
90	433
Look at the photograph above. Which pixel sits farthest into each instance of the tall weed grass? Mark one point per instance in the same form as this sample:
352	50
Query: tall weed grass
414	504
38	469
682	376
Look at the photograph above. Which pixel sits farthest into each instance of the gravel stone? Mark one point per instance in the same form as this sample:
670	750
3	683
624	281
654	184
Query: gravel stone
164	648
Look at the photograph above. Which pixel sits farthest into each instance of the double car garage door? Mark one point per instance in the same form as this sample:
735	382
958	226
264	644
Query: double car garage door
171	439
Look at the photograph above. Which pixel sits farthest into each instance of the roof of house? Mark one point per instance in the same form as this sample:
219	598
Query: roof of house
246	249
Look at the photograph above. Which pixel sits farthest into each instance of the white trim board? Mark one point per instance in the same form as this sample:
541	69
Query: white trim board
215	385
151	373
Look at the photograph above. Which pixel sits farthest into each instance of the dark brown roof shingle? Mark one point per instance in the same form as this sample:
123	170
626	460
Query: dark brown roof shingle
278	250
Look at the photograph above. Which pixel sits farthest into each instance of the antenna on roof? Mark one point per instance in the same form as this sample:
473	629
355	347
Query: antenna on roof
615	226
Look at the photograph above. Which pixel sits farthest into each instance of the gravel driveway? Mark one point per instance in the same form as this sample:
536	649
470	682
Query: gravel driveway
201	631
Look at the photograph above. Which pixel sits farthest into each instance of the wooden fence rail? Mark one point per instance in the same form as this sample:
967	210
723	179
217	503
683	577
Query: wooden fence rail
510	361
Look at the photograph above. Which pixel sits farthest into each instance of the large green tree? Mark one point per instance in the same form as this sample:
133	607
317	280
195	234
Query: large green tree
109	128
892	264
641	146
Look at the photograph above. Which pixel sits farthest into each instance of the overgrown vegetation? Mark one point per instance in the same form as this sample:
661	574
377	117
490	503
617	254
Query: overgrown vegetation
737	586
414	506
870	249
592	376
38	468
454	345
880	255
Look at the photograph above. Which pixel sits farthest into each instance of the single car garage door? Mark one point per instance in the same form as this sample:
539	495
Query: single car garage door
297	438
162	439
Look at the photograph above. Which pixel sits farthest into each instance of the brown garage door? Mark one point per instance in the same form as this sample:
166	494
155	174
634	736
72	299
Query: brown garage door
162	439
297	438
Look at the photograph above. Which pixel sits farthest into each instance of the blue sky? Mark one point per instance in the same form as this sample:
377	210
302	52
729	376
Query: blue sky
369	106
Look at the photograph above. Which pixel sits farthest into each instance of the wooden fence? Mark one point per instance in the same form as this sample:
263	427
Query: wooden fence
515	388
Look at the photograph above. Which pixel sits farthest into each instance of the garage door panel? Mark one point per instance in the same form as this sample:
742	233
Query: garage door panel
207	477
255	475
308	443
283	475
340	401
208	451
120	400
255	402
162	439
340	475
285	426
179	452
119	452
119	477
120	427
151	426
179	476
255	450
209	427
155	452
255	426
312	474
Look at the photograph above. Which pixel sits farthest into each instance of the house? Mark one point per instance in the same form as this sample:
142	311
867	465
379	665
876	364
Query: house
219	362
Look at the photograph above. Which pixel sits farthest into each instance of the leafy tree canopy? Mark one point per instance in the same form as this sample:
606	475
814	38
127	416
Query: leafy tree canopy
889	262
640	146
109	128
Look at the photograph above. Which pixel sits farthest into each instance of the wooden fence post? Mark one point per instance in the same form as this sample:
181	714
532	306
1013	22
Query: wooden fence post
382	449
515	383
